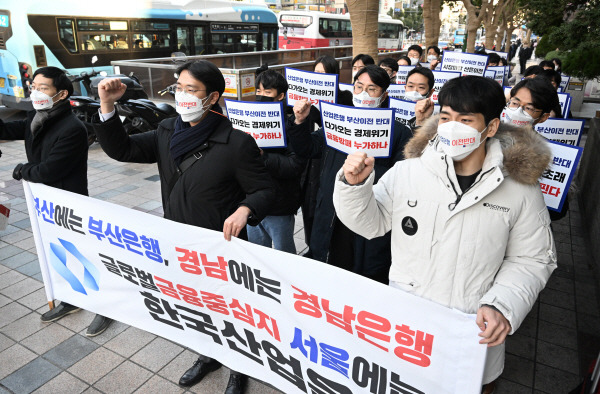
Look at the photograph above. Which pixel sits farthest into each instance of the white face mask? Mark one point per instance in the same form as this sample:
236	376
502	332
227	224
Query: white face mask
517	117
190	107
354	75
458	140
364	100
413	96
414	61
41	100
431	58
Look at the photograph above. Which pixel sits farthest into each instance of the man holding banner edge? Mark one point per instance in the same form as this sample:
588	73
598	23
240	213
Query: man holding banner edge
470	226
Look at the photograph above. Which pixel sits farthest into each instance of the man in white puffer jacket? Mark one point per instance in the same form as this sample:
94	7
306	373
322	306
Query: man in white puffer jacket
470	229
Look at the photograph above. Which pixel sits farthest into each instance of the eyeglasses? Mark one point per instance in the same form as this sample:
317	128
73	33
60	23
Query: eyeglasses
42	89
179	89
530	109
373	91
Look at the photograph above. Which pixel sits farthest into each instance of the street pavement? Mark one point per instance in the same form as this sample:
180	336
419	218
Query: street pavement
549	353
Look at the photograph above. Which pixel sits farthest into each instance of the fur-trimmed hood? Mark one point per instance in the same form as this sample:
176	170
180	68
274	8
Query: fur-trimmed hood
526	154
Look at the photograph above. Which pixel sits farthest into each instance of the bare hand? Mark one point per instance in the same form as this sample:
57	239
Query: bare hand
301	110
235	223
109	91
357	167
497	328
423	110
434	64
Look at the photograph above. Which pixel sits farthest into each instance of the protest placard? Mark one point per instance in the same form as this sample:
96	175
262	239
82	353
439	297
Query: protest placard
396	91
4	215
491	74
565	103
295	323
351	129
557	178
507	90
405	110
465	63
441	77
564	82
263	121
499	76
402	74
566	131
308	85
346	86
501	54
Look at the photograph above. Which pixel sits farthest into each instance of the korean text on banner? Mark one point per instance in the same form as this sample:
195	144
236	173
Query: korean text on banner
499	73
557	178
440	78
402	74
263	121
405	110
351	129
501	54
465	63
566	131
293	322
396	91
307	85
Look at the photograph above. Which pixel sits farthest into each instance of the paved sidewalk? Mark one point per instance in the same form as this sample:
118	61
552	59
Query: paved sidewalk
546	355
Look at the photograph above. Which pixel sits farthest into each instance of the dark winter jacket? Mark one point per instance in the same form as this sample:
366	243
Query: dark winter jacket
285	167
311	145
57	153
229	173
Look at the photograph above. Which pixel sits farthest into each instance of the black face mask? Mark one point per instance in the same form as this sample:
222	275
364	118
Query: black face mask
264	99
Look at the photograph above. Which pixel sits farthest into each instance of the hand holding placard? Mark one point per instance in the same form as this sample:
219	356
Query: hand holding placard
301	110
357	167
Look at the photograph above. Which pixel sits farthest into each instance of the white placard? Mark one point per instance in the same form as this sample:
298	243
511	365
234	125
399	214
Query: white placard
4	214
405	110
347	86
557	178
499	73
441	77
564	82
491	74
262	312
565	103
402	74
501	54
396	91
465	63
351	129
263	121
308	85
566	131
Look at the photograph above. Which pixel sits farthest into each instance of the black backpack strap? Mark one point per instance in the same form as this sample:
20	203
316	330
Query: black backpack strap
183	167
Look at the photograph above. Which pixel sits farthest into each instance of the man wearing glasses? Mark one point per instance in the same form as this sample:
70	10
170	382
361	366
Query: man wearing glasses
332	242
57	152
211	175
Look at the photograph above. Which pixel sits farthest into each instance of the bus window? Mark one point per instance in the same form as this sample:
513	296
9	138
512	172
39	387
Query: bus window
66	33
323	26
199	40
150	26
269	42
183	40
100	25
103	42
346	29
151	40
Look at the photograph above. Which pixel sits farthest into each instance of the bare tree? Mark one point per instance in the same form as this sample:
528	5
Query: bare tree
432	21
365	27
475	16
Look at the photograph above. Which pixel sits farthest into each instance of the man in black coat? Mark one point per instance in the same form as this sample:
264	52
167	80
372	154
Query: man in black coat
331	241
211	175
57	152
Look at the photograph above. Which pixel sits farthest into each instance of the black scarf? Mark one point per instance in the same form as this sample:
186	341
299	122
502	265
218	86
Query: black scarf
187	139
42	116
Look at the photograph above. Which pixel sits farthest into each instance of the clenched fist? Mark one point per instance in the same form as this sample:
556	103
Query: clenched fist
357	167
109	91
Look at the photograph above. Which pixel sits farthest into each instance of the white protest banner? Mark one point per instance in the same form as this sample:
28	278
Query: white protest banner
501	54
564	82
566	131
351	129
466	63
396	91
491	74
262	120
402	74
565	103
4	214
346	86
293	322
405	110
425	64
557	178
507	90
440	78
308	85
499	76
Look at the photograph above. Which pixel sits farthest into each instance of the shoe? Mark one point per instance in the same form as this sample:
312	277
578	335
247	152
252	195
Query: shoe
59	312
489	388
236	384
98	326
199	370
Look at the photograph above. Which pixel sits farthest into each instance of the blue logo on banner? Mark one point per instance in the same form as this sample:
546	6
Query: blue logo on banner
58	261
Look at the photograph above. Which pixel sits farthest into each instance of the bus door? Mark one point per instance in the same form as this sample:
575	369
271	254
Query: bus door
183	43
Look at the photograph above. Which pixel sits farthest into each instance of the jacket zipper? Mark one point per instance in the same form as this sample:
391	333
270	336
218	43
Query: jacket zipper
459	197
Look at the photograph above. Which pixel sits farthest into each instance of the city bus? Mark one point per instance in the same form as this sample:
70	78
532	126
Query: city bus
302	29
68	33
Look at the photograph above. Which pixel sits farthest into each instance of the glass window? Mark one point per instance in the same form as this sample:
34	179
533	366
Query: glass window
183	40
199	38
233	43
147	25
151	40
103	42
66	34
100	25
